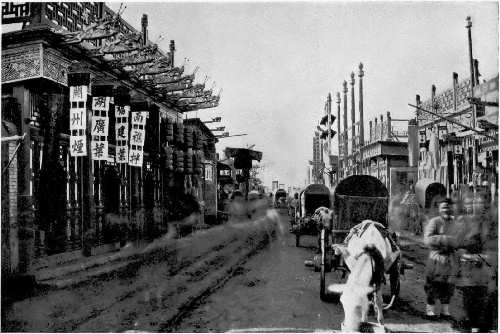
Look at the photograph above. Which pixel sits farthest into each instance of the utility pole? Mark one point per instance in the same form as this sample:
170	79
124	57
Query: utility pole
361	116
471	64
353	129
339	134
329	114
346	136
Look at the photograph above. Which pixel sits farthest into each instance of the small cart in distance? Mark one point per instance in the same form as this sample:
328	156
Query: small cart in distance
311	198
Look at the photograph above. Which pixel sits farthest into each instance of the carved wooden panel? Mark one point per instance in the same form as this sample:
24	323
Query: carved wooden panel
55	66
21	63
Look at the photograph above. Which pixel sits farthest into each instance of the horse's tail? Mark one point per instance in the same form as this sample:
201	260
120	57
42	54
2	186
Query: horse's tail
378	259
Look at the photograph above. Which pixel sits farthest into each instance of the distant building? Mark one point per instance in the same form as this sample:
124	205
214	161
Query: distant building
446	149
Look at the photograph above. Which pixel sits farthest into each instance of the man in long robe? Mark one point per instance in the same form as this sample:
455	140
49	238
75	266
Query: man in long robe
441	265
474	273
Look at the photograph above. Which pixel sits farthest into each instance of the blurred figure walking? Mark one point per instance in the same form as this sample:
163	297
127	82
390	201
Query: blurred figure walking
474	274
441	266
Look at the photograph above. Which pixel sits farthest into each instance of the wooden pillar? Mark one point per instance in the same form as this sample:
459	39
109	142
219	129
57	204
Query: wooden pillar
360	107
24	174
353	117
370	133
346	136
389	125
382	135
339	139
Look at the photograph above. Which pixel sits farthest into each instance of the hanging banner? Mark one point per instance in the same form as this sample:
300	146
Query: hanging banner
99	150
100	103
122	111
78	146
122	154
121	133
135	158
78	93
78	121
100	126
137	137
139	117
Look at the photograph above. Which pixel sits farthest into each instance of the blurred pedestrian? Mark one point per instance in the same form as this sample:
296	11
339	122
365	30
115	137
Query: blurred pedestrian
441	264
294	204
474	275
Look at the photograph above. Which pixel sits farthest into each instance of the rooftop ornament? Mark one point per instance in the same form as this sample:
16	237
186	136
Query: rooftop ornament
103	28
121	47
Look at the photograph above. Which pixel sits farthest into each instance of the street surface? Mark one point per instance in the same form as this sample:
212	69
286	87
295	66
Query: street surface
246	276
274	291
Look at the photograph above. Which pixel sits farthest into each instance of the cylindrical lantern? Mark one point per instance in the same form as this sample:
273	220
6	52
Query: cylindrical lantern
179	133
179	161
169	130
188	137
199	143
169	158
188	162
198	169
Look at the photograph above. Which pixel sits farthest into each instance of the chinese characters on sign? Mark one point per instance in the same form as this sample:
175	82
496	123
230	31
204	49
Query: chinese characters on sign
121	154
78	120
100	126
121	133
137	135
78	146
78	93
101	103
99	150
135	158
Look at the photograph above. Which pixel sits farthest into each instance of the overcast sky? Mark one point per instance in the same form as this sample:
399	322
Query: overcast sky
276	62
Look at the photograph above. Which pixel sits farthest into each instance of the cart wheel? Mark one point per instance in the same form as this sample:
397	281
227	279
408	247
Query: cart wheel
322	289
394	279
297	240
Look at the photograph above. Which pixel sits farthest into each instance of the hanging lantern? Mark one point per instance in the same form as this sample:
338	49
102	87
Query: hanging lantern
199	143
188	137
188	162
195	138
179	133
170	130
169	158
198	164
179	161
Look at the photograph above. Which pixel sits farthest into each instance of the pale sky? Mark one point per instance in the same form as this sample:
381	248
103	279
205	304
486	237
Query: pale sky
276	62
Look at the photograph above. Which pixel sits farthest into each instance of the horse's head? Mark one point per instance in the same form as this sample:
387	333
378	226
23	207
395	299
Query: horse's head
364	279
322	216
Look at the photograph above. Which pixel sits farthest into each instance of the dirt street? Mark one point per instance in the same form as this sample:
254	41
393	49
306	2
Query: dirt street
274	291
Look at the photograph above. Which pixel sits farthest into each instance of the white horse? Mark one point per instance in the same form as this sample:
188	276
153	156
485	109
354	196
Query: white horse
367	254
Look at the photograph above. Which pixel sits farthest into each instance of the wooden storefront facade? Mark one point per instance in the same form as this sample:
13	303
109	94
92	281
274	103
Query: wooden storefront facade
71	206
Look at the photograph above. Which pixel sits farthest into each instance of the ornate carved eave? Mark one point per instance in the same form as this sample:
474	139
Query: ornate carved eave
145	69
